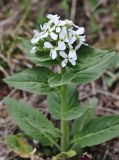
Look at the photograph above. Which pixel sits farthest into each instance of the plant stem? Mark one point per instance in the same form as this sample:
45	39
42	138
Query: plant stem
64	123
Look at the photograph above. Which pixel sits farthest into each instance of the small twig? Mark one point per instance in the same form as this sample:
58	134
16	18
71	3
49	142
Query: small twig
73	10
10	50
93	88
113	76
106	153
107	93
4	71
109	110
104	83
21	22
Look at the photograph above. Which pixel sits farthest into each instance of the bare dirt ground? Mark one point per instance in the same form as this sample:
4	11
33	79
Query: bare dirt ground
17	18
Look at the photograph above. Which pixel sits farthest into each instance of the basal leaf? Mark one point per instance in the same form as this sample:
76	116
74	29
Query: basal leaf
32	122
62	155
32	80
98	130
19	145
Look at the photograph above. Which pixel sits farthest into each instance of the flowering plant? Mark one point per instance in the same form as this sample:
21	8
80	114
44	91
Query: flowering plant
61	43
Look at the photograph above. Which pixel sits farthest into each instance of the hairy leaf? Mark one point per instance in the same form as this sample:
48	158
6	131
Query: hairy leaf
98	130
85	118
91	64
32	122
32	80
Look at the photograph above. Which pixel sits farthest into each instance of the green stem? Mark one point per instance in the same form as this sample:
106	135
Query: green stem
64	123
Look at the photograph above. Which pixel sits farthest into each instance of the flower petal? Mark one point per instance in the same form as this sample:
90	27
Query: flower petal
53	18
48	45
62	23
78	46
53	54
81	30
69	22
73	62
35	39
63	54
64	62
82	38
72	39
36	32
52	29
33	50
53	36
63	33
61	46
58	29
72	54
45	35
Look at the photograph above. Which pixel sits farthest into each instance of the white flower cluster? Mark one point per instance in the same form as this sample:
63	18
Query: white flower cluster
62	37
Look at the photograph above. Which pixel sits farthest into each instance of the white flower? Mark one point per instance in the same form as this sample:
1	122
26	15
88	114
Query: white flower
62	23
53	18
81	41
45	27
48	45
36	37
71	57
72	39
54	50
50	32
33	50
72	54
61	45
61	37
63	33
80	31
53	36
69	22
58	29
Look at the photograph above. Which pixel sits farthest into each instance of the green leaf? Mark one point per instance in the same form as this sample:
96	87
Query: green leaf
19	145
32	80
98	130
85	118
54	102
68	154
32	122
91	64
